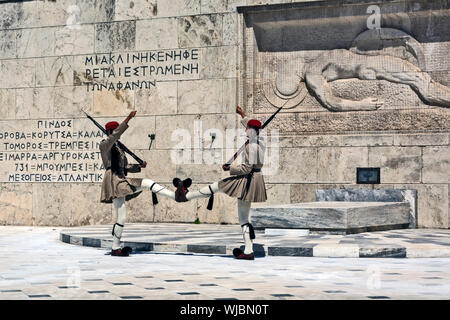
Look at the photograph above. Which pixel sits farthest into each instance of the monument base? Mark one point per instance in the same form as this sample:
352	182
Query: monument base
334	216
343	211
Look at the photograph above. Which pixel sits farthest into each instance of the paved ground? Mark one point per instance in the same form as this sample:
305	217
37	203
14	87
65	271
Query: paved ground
221	239
35	264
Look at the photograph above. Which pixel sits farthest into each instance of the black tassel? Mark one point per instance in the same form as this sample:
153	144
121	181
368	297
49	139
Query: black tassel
211	200
251	230
154	199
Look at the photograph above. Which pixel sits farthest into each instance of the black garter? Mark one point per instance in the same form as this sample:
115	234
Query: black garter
251	230
120	225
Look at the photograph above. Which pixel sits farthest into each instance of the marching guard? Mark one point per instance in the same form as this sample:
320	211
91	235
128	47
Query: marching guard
246	183
117	187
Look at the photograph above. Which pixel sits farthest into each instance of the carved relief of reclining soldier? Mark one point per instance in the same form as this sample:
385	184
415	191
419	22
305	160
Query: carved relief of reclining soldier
353	64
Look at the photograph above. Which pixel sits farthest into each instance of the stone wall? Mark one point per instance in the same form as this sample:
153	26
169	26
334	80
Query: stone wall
45	52
44	46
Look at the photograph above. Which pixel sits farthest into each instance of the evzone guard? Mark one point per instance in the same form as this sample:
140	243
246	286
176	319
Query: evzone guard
246	183
117	188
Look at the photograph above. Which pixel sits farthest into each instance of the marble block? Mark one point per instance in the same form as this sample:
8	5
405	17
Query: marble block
368	195
200	31
346	217
175	8
7	44
286	232
361	195
117	36
131	10
156	34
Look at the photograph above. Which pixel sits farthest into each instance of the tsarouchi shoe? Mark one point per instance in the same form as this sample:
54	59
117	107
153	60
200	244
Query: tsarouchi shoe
124	252
239	254
182	189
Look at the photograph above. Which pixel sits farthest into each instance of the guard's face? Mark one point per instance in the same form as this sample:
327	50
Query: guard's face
250	132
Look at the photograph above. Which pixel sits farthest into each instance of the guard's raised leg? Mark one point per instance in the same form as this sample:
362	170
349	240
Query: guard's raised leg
148	184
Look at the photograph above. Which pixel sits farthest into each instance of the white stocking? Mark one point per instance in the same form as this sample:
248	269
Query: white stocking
204	192
243	213
148	184
121	215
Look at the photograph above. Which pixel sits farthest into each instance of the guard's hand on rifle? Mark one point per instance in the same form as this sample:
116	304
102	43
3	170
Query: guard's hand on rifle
240	111
130	116
226	167
143	165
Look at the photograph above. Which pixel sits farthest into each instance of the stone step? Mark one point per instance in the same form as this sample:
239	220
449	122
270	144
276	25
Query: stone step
333	216
373	195
177	238
286	232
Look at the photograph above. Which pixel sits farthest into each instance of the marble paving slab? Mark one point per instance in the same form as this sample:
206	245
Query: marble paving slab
222	239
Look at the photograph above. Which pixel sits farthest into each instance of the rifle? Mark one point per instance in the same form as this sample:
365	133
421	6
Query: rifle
120	144
248	140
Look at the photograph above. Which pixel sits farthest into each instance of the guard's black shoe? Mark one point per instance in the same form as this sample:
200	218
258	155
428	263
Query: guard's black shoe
187	182
124	252
182	189
127	250
239	254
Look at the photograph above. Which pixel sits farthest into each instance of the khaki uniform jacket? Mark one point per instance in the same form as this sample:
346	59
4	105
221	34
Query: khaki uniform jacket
114	186
243	184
